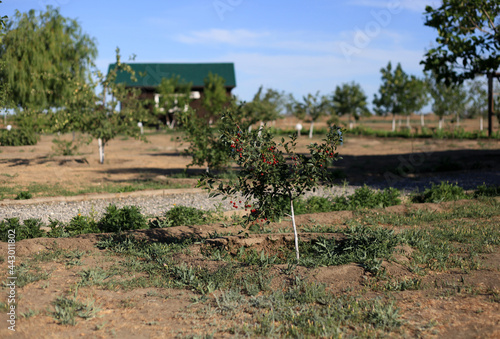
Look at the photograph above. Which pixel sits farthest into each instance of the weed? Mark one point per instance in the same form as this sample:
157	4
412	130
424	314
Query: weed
439	193
67	309
24	195
121	219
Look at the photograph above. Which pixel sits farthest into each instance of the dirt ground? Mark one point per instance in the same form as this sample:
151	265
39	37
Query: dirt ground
159	313
161	159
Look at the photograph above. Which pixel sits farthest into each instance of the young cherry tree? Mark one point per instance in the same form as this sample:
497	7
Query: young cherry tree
272	173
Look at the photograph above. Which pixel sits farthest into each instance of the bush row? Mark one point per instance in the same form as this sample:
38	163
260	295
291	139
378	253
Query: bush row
130	218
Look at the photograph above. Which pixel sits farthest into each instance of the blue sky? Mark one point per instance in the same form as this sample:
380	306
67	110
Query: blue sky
294	46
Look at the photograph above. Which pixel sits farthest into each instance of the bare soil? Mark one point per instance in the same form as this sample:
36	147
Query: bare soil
161	313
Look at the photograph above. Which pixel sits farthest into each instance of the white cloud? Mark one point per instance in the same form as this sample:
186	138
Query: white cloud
238	37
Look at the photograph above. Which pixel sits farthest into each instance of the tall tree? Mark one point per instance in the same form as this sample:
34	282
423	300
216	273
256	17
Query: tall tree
43	53
215	95
391	91
350	99
313	107
468	41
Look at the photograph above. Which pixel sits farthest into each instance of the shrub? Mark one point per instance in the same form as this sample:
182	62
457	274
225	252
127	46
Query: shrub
81	225
485	191
24	195
30	228
18	137
439	193
121	219
182	216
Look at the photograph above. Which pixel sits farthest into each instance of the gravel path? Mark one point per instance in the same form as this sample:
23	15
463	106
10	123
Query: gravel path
156	205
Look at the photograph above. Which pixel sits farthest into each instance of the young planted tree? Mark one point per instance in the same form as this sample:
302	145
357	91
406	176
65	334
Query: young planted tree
416	96
272	173
391	92
478	101
174	96
313	107
446	99
350	99
215	96
264	107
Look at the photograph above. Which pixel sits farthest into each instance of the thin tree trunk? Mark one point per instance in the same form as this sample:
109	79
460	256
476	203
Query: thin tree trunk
440	126
101	150
480	123
422	123
260	128
393	122
249	128
311	130
408	121
295	231
458	120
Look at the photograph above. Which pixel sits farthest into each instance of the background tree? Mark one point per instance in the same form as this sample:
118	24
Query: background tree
478	101
175	95
391	91
43	53
468	41
264	107
313	107
446	99
350	99
215	96
415	97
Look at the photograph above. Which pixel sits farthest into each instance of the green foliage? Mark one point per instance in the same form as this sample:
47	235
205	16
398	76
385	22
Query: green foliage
264	107
487	191
439	193
83	224
363	245
121	219
42	53
183	216
399	93
30	228
67	309
273	174
205	146
447	99
174	96
467	42
363	197
18	137
215	95
312	107
24	195
350	99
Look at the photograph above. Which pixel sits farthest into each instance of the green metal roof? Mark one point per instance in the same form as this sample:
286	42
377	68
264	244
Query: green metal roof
150	74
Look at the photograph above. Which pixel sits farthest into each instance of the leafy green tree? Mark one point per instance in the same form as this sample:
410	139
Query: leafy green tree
313	107
468	41
273	174
446	99
43	53
350	99
264	107
85	111
391	91
215	96
175	95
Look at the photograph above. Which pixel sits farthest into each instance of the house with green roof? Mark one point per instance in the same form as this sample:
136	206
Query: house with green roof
149	76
